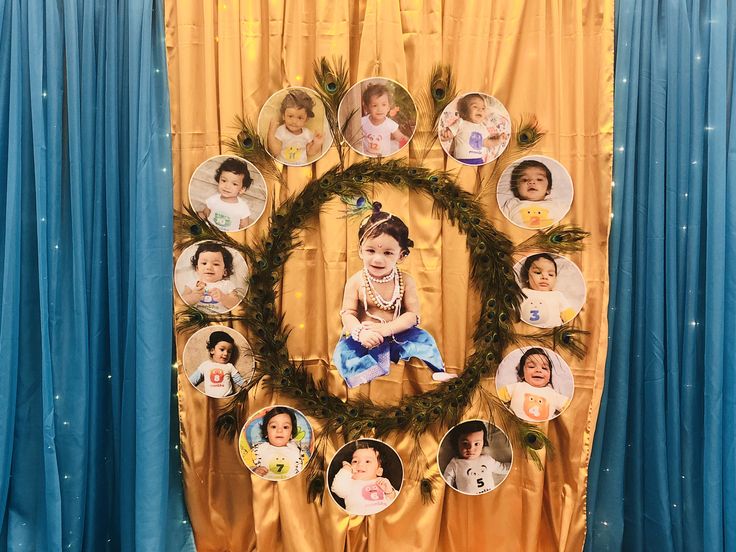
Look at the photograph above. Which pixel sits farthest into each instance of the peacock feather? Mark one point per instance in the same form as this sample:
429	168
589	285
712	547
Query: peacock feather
356	206
426	486
527	133
332	81
561	238
431	101
250	146
533	440
191	228
564	337
232	414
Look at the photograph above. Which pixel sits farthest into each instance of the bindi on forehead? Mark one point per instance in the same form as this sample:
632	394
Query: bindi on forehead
382	241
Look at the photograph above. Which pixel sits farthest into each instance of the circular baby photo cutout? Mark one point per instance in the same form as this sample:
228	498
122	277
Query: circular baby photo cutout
474	128
554	289
228	191
365	477
535	192
377	117
293	126
276	443
474	457
218	361
211	277
535	383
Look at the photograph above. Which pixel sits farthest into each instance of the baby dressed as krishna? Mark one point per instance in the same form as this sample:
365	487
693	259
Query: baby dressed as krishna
380	308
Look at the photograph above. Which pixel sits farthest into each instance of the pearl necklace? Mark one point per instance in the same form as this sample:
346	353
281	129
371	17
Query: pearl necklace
393	304
387	278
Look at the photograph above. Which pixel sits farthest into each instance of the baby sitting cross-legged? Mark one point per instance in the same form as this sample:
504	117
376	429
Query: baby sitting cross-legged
380	309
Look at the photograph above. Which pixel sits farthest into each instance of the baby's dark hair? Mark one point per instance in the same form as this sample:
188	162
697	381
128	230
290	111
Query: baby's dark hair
367	445
376	90
519	170
524	273
275	411
529	352
236	166
465	428
298	99
218	336
213	247
381	222
463	104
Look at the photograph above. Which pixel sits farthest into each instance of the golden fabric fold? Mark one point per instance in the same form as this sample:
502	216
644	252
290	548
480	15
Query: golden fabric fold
550	59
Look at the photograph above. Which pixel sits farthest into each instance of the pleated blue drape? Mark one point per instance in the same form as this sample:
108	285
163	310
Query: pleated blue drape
85	277
663	472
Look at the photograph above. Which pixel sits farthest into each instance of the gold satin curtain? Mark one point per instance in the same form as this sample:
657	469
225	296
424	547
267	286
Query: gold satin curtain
553	59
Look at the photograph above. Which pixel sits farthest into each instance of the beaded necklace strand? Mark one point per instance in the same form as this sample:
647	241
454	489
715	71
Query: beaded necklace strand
392	304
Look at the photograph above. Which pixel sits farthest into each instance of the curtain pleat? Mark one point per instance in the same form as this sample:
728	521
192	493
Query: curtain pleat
662	471
550	59
85	260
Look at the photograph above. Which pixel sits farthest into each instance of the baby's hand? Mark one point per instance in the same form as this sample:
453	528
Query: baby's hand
446	134
347	465
196	294
217	294
273	124
318	139
385	485
383	330
370	338
261	470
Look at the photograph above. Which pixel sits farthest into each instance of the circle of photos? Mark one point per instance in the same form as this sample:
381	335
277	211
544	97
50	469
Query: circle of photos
368	100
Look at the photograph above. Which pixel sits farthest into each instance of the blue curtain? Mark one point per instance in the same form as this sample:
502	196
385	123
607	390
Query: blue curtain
85	277
663	472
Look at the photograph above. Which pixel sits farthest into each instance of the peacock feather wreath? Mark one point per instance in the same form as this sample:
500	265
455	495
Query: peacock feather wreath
491	274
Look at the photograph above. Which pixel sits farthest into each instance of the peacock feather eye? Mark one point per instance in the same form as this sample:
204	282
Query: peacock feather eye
246	140
330	83
525	136
439	90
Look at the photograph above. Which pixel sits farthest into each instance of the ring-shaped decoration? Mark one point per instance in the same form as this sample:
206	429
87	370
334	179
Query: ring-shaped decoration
491	274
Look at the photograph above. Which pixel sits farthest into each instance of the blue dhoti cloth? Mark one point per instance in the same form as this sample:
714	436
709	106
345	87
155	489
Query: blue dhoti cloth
357	364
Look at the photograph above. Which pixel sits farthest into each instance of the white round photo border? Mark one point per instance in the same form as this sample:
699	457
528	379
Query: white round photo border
504	188
260	182
337	453
183	264
343	123
326	145
488	425
451	110
242	434
569	266
243	347
509	364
